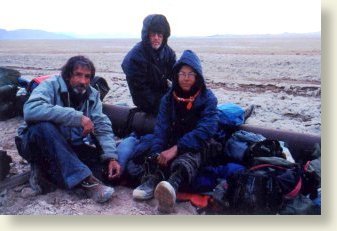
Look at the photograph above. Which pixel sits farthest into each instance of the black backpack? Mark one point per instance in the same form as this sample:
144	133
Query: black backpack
262	189
8	89
101	85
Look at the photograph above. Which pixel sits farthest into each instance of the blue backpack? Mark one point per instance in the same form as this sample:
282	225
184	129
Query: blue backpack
231	114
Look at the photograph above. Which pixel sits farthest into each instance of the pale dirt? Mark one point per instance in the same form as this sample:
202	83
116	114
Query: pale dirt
280	75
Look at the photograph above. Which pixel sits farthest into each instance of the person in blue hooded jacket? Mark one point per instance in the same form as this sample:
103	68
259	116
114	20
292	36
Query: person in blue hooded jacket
148	64
187	117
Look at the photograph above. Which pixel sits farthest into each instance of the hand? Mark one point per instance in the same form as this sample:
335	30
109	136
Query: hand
87	125
166	156
114	170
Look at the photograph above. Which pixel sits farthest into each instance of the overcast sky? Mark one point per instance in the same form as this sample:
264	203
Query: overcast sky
186	17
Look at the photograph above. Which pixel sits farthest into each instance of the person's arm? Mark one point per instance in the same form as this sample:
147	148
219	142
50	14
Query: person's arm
104	135
172	61
166	156
41	106
114	169
163	123
103	130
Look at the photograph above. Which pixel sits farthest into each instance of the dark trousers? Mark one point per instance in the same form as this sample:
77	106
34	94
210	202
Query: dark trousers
64	164
189	163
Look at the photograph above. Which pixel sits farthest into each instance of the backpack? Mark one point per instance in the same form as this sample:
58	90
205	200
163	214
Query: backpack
101	85
8	89
261	189
230	114
243	147
236	146
5	161
35	82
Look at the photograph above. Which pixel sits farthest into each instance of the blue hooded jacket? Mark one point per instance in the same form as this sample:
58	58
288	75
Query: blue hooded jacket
199	124
146	69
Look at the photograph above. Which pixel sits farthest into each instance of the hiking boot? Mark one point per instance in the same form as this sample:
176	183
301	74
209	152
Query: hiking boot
97	190
145	190
166	196
176	178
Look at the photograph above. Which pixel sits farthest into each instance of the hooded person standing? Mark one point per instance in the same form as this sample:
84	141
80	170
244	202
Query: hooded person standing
187	117
148	65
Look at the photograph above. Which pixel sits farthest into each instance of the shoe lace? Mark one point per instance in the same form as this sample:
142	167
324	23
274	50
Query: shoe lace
90	182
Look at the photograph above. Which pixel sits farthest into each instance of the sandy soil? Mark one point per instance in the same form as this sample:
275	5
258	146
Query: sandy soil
280	75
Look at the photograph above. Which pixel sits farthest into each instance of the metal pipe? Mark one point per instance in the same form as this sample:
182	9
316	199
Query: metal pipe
300	144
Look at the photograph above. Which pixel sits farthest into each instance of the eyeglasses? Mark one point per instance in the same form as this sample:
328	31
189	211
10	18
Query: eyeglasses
189	74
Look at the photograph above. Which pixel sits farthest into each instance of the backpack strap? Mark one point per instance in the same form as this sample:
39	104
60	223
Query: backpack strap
297	188
256	167
36	81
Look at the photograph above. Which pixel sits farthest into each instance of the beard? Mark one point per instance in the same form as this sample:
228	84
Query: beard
78	95
79	89
155	46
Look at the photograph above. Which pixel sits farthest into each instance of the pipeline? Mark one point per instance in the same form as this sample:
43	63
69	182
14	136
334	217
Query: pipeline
125	120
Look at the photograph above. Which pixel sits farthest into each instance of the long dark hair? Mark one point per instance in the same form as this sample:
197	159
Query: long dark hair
73	63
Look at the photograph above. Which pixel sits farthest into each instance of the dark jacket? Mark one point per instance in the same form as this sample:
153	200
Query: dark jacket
146	69
192	127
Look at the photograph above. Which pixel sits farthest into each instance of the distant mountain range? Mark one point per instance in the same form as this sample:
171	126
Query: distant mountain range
40	34
31	34
285	35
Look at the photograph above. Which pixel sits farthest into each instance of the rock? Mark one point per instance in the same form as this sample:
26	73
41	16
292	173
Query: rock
28	192
3	197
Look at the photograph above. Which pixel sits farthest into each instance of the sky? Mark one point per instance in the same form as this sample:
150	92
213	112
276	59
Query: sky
123	18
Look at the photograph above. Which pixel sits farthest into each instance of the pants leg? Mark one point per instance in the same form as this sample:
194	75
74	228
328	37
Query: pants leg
90	157
125	150
189	163
45	145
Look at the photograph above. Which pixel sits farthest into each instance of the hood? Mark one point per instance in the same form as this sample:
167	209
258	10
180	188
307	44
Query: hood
191	59
155	23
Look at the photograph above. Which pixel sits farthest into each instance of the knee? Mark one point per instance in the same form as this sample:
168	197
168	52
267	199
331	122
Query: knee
43	129
127	146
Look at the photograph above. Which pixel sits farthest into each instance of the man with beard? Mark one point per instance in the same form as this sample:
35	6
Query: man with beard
148	65
67	138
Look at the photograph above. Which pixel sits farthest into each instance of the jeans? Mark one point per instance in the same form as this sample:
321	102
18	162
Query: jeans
125	150
64	164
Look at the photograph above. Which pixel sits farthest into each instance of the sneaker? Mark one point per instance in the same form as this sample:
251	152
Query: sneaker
145	191
96	190
166	196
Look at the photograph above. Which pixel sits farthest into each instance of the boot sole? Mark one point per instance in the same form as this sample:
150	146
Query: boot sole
166	196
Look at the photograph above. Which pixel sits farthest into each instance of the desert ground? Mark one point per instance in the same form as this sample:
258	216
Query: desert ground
280	75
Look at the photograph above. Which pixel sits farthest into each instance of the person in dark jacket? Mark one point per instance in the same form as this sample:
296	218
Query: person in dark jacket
148	65
187	117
